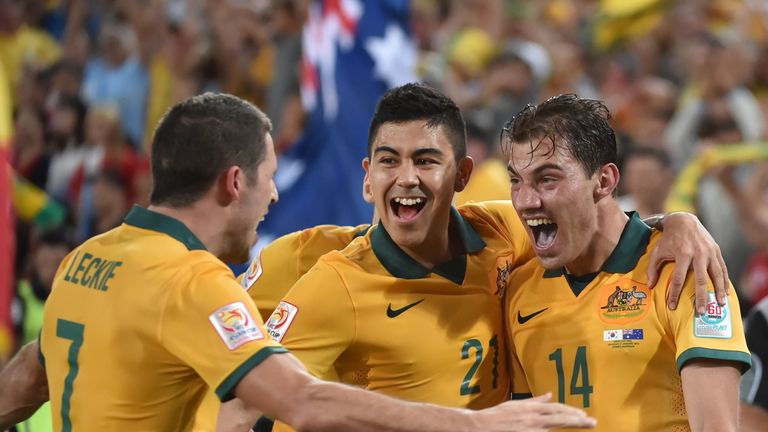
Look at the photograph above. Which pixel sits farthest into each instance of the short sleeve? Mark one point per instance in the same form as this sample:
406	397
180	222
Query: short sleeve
272	273
212	326
316	319
717	335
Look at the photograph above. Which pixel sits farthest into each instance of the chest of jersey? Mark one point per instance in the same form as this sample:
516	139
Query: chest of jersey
431	339
604	350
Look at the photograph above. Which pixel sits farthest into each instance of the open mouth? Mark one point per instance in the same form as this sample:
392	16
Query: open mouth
406	209
544	232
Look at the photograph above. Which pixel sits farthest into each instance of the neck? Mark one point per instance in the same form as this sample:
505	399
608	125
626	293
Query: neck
197	218
441	246
611	222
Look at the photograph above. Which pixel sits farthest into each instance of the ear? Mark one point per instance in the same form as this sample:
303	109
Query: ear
607	181
232	182
367	194
463	173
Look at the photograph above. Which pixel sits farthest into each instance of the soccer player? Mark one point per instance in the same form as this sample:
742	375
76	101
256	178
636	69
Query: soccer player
144	318
412	308
583	323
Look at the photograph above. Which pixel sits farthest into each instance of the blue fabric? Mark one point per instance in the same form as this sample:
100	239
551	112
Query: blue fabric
320	179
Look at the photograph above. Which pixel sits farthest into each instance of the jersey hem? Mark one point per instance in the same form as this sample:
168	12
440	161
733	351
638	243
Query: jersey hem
714	354
225	389
518	396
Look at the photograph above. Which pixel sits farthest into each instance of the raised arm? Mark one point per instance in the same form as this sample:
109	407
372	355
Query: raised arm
711	391
309	404
24	387
690	246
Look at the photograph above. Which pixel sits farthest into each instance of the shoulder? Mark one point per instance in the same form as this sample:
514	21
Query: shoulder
487	211
329	237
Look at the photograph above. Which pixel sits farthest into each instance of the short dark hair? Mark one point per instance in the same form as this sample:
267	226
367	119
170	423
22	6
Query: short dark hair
416	101
579	125
199	138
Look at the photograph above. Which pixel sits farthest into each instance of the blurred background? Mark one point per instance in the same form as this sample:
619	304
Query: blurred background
84	82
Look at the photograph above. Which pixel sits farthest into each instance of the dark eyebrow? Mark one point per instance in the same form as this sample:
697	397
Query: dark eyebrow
385	149
427	152
417	153
538	169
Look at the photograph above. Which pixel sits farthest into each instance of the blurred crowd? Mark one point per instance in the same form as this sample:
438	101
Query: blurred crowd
90	78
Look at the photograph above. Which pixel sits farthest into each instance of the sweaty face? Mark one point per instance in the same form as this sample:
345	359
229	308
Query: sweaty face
555	200
253	204
411	178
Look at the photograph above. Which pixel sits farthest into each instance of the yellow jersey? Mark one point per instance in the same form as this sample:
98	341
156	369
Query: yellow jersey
141	321
607	343
281	263
377	319
272	273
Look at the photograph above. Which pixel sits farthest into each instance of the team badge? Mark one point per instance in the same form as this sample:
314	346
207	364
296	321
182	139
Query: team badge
624	301
253	273
500	277
235	325
715	322
280	320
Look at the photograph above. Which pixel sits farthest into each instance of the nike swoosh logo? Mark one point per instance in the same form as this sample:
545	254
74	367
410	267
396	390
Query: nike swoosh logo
524	319
392	313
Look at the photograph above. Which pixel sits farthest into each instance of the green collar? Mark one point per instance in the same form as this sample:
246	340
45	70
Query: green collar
402	266
147	219
632	245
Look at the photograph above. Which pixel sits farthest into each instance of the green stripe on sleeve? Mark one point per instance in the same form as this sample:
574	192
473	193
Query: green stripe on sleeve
225	390
518	396
714	354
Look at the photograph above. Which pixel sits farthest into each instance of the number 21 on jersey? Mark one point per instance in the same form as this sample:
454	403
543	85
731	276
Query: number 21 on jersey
474	346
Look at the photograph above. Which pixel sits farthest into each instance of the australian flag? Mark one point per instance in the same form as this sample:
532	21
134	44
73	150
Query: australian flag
353	51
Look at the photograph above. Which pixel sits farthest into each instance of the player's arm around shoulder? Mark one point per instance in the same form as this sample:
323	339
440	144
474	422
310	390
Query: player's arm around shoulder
711	355
502	218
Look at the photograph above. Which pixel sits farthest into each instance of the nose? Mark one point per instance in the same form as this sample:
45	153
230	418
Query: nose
524	197
408	175
274	195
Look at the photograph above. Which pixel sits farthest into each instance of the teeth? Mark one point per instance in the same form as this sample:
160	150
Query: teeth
537	222
408	201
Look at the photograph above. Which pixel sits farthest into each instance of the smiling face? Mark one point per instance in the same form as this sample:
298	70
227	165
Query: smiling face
556	200
411	178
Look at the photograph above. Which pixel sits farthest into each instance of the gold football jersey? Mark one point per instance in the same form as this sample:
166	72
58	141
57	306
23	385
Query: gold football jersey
609	344
281	263
272	273
141	321
376	318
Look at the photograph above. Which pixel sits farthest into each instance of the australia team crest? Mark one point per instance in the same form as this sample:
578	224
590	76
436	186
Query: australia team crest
499	276
624	301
